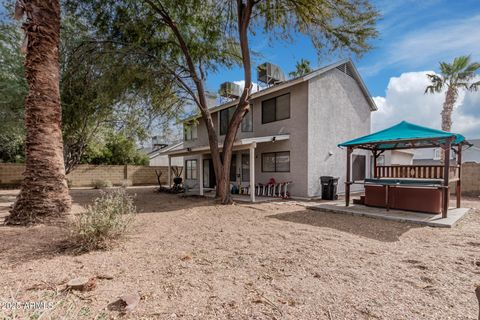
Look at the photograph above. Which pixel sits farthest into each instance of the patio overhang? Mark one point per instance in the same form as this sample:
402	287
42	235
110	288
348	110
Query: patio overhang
240	144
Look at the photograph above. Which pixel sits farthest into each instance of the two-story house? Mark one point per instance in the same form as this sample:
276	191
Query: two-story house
290	134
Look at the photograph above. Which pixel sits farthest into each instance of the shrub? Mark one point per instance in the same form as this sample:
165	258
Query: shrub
101	184
104	222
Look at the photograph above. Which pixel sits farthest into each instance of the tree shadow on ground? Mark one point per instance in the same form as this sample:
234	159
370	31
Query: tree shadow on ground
146	199
377	229
22	244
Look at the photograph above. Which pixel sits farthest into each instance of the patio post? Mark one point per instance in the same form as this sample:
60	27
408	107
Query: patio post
375	157
169	173
347	178
459	172
446	176
252	171
201	174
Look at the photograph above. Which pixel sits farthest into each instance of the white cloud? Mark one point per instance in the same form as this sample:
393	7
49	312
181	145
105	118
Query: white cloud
405	100
255	86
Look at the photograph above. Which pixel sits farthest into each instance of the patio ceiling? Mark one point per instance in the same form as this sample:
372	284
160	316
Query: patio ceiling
238	145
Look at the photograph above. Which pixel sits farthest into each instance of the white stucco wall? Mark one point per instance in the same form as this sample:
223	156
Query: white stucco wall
337	111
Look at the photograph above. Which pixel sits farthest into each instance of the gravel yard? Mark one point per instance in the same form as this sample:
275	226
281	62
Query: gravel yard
189	258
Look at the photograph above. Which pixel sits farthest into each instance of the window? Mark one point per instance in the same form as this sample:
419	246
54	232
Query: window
358	167
276	109
437	153
276	162
191	172
247	122
227	114
190	131
245	167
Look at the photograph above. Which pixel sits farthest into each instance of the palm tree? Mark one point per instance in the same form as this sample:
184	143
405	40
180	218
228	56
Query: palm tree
454	77
301	68
44	191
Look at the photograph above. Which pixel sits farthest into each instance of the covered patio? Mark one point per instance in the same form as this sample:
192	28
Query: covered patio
241	145
409	187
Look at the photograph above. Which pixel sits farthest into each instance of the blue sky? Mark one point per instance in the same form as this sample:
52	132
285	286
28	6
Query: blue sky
414	37
409	40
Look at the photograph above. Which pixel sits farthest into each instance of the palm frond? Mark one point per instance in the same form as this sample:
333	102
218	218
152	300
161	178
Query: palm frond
437	84
460	63
474	86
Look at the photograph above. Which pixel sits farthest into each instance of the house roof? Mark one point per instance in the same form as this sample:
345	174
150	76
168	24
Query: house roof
291	82
404	135
163	151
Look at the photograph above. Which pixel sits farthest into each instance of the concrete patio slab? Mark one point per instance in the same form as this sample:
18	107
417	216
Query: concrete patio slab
431	220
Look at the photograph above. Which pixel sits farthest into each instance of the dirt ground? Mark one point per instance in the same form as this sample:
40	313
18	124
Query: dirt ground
191	259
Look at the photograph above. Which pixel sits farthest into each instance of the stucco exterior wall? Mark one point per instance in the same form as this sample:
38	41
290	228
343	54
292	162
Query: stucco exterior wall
337	111
295	126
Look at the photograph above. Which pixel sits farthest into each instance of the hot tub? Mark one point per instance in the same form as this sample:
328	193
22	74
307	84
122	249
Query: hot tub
419	195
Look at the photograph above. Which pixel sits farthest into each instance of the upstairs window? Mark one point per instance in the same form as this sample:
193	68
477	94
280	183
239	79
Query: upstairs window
190	131
227	114
276	109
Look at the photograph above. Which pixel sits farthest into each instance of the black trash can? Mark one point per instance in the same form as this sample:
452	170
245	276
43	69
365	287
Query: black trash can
329	187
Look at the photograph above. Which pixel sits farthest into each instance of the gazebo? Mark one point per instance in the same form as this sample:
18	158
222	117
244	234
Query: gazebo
407	135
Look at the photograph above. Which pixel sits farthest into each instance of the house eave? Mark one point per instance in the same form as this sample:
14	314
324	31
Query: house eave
238	145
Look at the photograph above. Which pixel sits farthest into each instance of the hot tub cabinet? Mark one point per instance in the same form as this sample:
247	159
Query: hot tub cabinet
401	197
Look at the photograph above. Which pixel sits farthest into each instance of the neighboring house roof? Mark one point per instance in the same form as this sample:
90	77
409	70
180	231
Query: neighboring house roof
164	151
291	82
400	136
475	143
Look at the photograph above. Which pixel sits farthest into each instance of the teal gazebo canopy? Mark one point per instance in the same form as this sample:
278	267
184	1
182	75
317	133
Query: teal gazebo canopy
405	135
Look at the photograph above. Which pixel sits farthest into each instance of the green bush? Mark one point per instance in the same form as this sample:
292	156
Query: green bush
101	184
104	222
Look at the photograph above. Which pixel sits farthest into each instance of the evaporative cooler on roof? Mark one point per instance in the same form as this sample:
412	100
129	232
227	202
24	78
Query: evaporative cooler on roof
230	90
270	73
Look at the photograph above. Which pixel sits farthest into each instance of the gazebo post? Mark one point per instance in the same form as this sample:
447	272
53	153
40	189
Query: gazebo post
458	190
347	178
375	157
446	176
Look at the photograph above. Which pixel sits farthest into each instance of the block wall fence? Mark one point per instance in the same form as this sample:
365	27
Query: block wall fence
86	175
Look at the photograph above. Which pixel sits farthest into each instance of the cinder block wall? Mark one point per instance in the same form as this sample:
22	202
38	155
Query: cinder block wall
11	174
471	178
87	175
143	175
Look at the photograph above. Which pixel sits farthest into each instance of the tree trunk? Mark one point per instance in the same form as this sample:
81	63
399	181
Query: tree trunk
221	162
244	12
450	99
44	191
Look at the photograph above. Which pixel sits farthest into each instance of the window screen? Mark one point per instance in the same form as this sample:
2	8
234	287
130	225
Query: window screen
191	172
247	122
276	162
268	111
358	167
276	109
227	114
283	107
245	167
